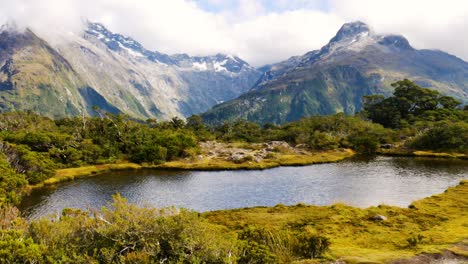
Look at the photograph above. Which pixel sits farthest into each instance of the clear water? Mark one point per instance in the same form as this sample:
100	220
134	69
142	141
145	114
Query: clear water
359	182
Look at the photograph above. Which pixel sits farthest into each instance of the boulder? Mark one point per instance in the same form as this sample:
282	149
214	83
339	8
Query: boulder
386	146
378	218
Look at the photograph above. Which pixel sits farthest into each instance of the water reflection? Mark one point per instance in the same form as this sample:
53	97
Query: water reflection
359	181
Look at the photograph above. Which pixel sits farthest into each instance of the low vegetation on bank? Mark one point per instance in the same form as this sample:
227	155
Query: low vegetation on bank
125	233
36	150
373	235
33	148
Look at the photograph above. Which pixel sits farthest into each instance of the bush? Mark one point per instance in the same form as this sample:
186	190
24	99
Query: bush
414	241
15	244
323	141
444	137
37	165
255	246
364	143
10	182
149	153
312	246
125	233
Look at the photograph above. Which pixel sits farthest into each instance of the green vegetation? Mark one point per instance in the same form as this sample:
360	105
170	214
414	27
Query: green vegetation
39	150
125	233
411	103
121	233
36	150
33	147
275	160
433	121
354	235
43	150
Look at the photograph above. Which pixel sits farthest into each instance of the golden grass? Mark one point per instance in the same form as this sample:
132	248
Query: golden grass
420	153
69	174
441	219
279	159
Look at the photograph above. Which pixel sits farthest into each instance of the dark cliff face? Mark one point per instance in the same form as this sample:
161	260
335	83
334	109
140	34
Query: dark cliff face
356	62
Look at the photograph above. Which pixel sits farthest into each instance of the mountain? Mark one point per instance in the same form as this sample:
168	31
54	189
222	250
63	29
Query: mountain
34	76
356	62
73	73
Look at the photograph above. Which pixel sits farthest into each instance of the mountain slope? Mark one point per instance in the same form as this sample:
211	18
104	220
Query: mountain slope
33	76
113	72
354	63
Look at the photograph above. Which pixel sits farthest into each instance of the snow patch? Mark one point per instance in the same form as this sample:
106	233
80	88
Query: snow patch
219	66
200	66
131	52
229	56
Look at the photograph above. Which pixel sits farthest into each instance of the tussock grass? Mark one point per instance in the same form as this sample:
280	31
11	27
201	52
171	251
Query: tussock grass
420	153
279	159
442	221
69	174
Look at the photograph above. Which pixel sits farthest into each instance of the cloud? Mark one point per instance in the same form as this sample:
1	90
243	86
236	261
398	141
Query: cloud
272	37
427	24
259	31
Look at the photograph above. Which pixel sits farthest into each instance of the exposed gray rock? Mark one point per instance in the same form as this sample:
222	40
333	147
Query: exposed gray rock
114	72
356	62
378	218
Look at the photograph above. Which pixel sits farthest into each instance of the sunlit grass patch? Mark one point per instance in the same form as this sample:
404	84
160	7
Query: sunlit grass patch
420	153
69	174
429	225
217	163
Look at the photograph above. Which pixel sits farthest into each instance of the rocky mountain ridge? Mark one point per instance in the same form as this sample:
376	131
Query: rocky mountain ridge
356	62
113	72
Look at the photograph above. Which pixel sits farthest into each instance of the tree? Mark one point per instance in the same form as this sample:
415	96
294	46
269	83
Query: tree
195	122
177	123
409	101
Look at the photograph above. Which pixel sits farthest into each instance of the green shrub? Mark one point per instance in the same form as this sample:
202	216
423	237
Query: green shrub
444	137
414	241
364	143
254	243
312	246
125	233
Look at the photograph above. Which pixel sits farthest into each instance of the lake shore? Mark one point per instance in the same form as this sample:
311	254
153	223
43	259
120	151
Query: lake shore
208	163
430	228
402	152
239	156
377	234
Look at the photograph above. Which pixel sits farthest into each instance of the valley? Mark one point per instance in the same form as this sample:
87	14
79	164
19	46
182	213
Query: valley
111	152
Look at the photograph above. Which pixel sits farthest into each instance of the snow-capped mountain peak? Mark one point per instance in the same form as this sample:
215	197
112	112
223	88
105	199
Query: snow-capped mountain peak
222	63
118	42
114	72
352	30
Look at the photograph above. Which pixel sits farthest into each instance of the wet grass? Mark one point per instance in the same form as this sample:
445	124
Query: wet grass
69	174
420	153
279	159
439	221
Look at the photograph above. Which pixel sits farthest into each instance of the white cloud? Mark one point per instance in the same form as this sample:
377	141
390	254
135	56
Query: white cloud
272	37
259	31
427	24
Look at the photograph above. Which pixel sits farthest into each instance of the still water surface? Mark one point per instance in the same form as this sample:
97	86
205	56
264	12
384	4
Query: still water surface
358	182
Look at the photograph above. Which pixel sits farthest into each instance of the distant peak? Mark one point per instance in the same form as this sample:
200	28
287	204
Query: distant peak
224	56
396	41
351	29
11	26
